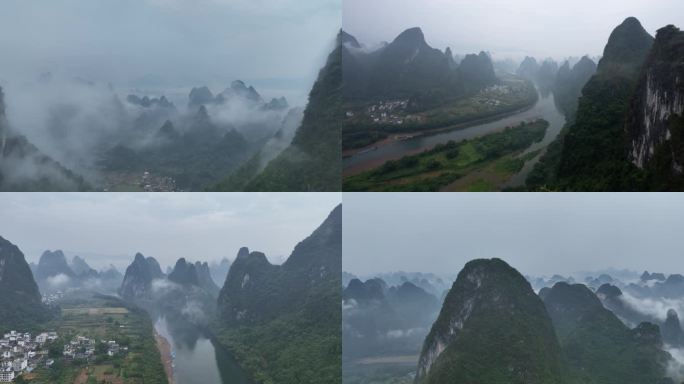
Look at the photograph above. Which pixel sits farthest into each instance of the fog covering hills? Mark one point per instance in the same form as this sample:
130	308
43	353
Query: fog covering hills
71	134
313	159
287	314
111	141
613	326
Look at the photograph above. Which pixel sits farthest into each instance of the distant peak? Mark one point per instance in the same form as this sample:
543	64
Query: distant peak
139	256
411	35
667	32
346	38
238	84
243	252
632	21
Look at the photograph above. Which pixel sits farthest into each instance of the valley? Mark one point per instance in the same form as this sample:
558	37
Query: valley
89	320
611	316
245	321
405	97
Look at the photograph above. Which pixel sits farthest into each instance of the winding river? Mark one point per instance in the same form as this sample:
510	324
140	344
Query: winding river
196	358
544	108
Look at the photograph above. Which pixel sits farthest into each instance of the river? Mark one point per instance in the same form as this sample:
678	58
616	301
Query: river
544	108
197	359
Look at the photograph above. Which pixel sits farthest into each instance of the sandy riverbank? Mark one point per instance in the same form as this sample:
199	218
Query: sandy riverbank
165	351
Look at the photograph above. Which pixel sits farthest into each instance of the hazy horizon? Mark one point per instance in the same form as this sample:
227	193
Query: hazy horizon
152	45
507	29
538	234
111	228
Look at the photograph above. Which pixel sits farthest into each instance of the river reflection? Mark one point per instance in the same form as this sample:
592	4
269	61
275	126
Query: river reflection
196	358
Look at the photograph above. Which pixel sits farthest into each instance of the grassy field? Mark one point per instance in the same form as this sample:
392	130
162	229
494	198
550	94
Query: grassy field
358	372
481	164
103	318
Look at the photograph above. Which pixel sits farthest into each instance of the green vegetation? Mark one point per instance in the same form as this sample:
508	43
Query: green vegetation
291	349
591	154
104	318
505	336
597	346
193	160
313	161
450	113
20	299
494	156
360	373
283	323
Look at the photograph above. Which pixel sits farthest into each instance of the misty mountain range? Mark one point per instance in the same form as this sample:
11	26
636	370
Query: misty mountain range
408	65
252	302
622	110
83	136
622	329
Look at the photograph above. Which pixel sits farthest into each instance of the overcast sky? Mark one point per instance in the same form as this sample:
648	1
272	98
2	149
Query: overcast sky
539	234
111	228
542	28
272	43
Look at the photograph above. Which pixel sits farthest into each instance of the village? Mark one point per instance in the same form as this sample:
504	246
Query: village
145	182
386	112
20	353
491	96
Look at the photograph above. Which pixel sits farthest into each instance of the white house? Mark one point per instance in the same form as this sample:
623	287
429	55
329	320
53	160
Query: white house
6	375
19	365
42	338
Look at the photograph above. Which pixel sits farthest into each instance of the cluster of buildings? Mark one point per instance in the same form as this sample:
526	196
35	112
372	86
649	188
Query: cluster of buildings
20	353
151	183
387	112
490	95
52	298
84	348
147	181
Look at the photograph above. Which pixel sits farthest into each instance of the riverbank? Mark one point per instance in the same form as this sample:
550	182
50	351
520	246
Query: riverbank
481	164
164	348
408	135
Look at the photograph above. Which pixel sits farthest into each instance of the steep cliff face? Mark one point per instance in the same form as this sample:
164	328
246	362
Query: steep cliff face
137	282
408	64
257	291
594	149
313	160
184	273
672	329
19	299
52	264
528	68
654	124
288	315
25	168
476	72
569	83
492	328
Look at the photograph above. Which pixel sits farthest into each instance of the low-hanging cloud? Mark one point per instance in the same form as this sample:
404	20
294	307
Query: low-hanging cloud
653	307
58	281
